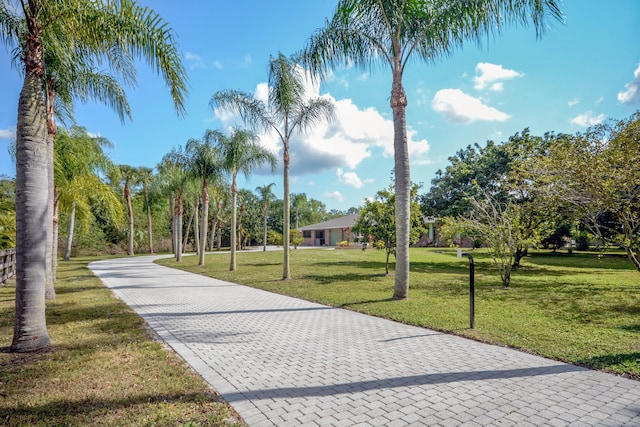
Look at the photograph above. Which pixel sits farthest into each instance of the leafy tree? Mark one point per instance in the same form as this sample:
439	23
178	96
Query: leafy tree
98	27
377	221
241	152
266	196
287	112
596	176
502	171
472	168
392	32
496	224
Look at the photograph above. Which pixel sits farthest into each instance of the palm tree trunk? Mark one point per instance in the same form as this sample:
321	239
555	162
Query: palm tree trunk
219	244
286	220
212	235
30	330
178	228
264	232
205	222
402	186
186	237
50	293
70	228
233	232
196	229
149	224
172	217
56	232
127	196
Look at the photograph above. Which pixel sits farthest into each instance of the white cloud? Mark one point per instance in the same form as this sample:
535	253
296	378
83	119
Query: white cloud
631	95
354	135
9	133
246	62
573	102
458	107
335	195
349	178
588	119
490	75
194	60
218	65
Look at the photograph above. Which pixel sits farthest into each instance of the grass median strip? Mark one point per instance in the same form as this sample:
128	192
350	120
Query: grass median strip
104	368
581	308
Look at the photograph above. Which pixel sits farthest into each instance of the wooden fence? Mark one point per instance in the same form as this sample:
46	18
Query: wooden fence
7	264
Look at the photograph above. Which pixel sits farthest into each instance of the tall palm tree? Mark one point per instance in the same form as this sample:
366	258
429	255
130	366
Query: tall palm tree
393	32
98	26
287	112
241	152
176	180
205	165
79	162
298	201
129	178
145	176
266	196
70	74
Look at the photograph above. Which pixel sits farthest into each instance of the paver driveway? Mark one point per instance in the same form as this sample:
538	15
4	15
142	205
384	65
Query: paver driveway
283	361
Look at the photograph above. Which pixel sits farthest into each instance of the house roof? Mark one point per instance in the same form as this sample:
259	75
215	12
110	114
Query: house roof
341	222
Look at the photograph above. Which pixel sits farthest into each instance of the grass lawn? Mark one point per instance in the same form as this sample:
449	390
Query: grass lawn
582	308
103	367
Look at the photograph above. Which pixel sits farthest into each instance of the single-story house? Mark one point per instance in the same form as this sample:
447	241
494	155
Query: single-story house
329	233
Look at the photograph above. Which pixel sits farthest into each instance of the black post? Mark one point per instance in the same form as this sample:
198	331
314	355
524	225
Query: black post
471	290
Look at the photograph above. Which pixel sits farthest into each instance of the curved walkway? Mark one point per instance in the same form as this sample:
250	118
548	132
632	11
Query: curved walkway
283	361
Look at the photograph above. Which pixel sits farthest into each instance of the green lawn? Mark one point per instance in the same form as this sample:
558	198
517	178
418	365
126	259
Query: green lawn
581	308
103	368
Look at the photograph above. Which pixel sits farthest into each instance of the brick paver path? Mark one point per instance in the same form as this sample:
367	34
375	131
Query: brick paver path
283	361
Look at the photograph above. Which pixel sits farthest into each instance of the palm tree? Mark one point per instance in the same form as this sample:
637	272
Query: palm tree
368	32
298	201
79	161
145	176
99	27
175	179
241	152
286	113
70	74
266	196
129	178
205	165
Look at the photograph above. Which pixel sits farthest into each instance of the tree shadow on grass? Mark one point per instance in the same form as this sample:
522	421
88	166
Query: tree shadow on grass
92	408
372	301
333	278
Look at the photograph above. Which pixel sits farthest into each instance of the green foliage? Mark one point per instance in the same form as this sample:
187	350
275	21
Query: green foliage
499	226
595	176
295	237
274	238
376	221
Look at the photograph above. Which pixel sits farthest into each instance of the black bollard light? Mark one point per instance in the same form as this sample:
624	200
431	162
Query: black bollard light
471	287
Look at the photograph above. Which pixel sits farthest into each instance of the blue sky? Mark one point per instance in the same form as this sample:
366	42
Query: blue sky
577	74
